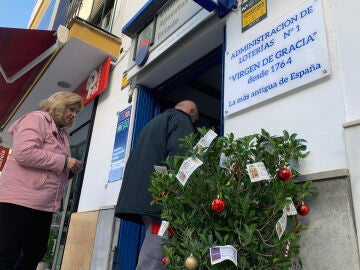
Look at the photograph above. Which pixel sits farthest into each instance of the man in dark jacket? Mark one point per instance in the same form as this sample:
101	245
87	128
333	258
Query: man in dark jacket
157	140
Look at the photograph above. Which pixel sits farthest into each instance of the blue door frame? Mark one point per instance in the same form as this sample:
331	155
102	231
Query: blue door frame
131	235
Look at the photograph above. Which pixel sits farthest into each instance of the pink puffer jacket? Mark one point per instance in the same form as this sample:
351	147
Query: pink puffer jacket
34	174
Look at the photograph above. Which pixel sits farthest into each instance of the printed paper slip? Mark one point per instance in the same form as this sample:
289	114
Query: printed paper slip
205	141
187	168
222	253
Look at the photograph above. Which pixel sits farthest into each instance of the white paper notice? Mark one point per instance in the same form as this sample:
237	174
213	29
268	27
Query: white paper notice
223	161
161	169
257	172
222	253
281	225
290	209
205	141
285	54
188	166
163	227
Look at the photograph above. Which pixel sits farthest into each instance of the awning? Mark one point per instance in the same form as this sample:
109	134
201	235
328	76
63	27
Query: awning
19	47
86	47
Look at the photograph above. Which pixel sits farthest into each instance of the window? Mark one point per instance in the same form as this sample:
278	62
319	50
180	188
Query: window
102	13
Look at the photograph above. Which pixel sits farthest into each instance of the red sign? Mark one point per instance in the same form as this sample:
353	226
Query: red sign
4	152
95	84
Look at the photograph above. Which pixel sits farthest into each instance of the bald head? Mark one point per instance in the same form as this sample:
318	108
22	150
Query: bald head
189	107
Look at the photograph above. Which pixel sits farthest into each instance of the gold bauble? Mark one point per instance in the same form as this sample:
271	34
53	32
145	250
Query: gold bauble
191	262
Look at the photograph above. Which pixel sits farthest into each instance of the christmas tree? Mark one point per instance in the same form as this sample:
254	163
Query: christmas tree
233	203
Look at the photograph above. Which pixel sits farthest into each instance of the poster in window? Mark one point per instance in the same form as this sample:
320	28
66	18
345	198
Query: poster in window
118	156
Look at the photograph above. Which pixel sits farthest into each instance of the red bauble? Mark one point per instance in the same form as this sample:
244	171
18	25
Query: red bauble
285	174
303	209
162	194
218	205
164	260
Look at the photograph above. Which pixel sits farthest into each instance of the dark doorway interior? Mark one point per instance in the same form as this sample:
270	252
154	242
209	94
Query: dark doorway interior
200	82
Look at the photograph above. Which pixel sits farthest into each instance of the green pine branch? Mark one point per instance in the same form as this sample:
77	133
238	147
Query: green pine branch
252	209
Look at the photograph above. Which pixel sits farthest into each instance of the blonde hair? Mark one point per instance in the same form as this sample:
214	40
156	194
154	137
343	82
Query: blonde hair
57	103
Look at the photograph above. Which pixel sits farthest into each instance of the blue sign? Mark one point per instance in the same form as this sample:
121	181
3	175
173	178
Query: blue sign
117	160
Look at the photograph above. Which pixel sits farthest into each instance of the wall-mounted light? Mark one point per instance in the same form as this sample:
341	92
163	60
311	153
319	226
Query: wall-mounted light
131	93
63	84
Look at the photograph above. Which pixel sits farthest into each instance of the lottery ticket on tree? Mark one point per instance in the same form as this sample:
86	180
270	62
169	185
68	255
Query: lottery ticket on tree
163	227
294	164
268	147
188	166
223	161
290	208
281	225
222	253
161	169
257	172
205	141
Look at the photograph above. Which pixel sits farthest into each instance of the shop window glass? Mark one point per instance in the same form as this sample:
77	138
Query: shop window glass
101	14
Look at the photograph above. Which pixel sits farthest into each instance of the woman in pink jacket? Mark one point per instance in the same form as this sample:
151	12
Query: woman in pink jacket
34	177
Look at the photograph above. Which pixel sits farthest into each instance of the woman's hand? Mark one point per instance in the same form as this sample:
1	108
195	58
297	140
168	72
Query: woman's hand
74	165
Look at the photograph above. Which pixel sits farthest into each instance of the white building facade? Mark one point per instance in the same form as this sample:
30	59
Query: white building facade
313	94
277	65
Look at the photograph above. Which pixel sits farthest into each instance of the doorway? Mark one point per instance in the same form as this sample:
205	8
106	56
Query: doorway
200	82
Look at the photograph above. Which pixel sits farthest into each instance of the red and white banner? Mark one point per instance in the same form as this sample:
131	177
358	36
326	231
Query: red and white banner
96	83
4	152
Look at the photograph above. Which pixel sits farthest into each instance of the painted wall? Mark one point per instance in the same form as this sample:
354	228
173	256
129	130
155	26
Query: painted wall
125	10
100	192
318	112
96	191
59	17
85	9
346	16
38	13
352	142
315	111
349	55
